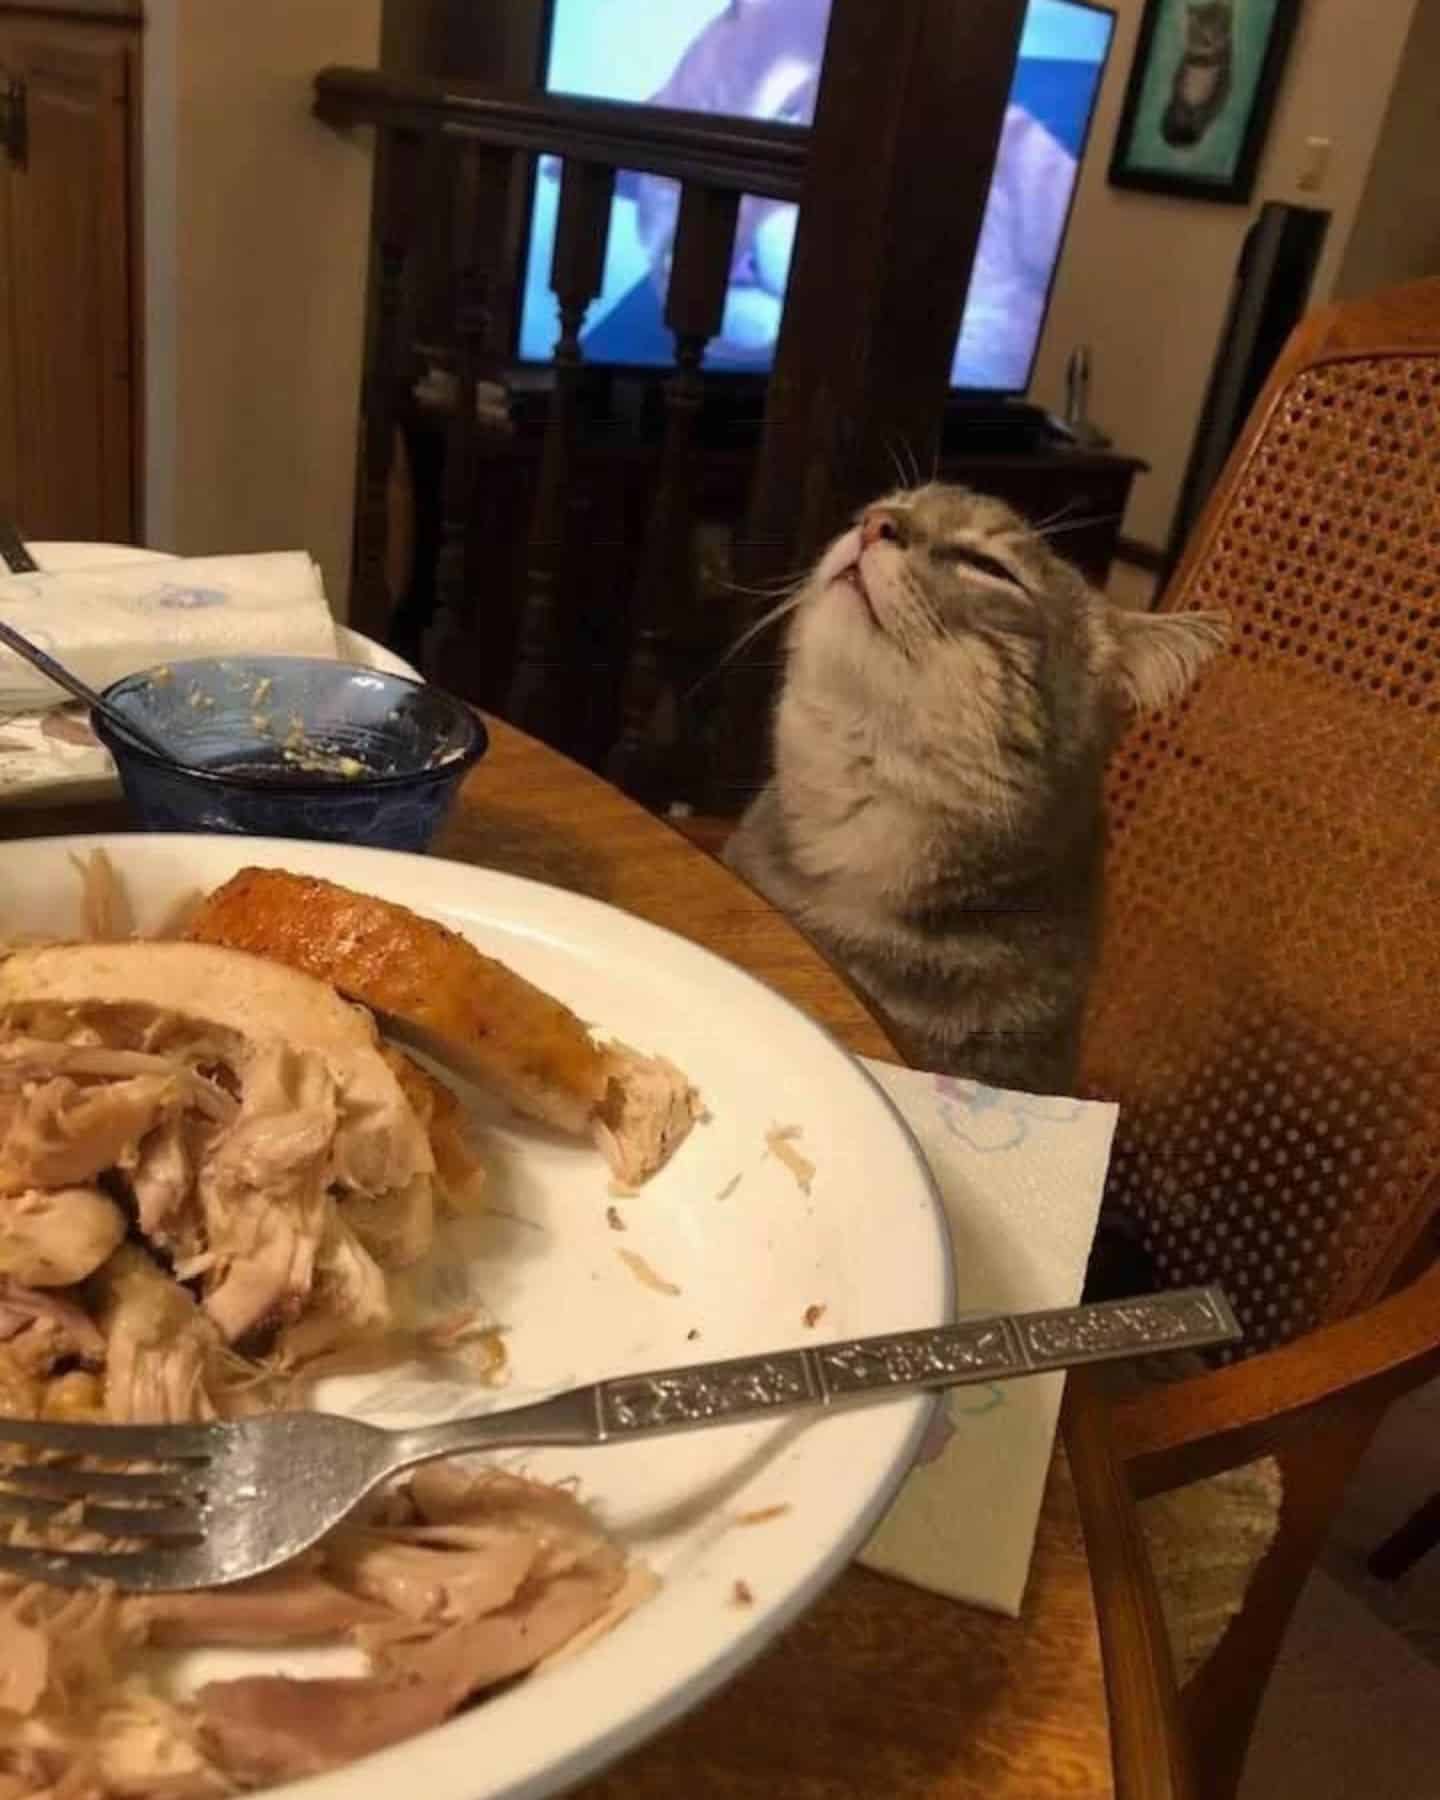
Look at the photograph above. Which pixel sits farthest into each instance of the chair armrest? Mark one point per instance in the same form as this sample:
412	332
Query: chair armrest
1168	1436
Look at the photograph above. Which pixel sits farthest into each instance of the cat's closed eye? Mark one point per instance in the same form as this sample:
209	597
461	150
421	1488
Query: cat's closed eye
966	556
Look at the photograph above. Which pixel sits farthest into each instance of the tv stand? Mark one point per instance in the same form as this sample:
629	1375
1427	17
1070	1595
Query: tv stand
1010	448
980	423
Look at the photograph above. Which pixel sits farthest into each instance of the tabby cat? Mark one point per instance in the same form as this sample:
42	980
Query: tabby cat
935	823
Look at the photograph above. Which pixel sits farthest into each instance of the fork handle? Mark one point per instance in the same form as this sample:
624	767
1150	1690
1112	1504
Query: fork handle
844	1374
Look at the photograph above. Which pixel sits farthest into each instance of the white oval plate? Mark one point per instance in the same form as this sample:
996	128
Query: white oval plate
868	1244
37	769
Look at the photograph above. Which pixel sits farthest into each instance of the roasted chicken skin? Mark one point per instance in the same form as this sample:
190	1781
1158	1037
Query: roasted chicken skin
385	956
476	1015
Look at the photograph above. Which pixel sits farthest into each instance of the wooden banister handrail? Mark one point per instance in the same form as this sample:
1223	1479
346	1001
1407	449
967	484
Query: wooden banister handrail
744	155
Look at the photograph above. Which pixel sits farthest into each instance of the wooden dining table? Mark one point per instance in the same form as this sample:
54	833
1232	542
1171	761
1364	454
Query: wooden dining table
882	1691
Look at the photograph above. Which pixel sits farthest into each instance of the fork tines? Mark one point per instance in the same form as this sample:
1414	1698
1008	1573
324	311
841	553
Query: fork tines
115	1443
62	1507
172	1522
133	1570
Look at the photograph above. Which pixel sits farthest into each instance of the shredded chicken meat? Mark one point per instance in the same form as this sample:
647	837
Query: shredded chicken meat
457	1583
192	1208
277	1177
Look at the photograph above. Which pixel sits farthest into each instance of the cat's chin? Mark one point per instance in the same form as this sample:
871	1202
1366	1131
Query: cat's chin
837	631
851	585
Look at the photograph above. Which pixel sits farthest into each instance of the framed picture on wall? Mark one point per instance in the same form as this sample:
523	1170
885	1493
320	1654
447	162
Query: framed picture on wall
1201	93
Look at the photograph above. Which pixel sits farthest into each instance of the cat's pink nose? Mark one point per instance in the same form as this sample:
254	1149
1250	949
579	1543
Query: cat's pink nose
879	526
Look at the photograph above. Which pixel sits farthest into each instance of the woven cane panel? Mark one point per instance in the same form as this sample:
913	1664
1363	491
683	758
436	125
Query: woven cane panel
1268	1003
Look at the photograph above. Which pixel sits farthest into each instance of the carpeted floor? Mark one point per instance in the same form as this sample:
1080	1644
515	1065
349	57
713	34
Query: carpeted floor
1353	1712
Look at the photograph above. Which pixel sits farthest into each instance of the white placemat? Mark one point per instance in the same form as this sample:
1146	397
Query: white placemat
1021	1177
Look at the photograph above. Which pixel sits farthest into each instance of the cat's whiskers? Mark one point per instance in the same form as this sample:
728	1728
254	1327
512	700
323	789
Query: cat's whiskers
897	466
907	478
780	590
916	610
787	606
1053	531
1041	525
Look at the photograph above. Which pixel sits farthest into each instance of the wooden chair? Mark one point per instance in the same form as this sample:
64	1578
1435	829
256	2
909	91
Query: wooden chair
1267	1010
1409	1544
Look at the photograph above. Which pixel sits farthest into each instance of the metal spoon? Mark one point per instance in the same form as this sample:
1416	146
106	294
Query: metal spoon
72	684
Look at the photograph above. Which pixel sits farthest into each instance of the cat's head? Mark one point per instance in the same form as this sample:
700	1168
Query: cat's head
947	632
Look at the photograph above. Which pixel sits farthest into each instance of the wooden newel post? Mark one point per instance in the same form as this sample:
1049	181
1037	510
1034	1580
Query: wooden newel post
541	697
911	104
694	311
484	239
398	179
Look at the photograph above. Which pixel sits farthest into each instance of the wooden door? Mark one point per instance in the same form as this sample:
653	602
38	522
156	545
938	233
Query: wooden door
67	375
9	438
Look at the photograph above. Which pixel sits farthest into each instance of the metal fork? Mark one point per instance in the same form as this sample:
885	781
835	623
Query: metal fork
219	1503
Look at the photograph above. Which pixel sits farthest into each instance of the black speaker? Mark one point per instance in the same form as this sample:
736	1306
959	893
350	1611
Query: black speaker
1272	288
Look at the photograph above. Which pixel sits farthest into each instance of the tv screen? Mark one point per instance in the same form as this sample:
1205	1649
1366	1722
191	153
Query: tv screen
761	59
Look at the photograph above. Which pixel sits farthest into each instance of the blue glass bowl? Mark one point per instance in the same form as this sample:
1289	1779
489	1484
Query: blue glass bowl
293	746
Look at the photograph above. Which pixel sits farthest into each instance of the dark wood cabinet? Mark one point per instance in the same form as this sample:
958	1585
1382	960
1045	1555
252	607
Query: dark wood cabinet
69	276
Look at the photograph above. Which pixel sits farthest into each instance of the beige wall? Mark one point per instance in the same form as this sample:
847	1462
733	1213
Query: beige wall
1397	232
1146	280
257	244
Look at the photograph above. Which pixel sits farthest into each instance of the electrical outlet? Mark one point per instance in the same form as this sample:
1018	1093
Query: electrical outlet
1315	164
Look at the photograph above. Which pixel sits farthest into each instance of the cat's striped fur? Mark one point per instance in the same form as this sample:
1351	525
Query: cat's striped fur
935	821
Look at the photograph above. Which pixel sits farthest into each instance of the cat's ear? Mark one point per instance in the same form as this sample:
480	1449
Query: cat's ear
1157	656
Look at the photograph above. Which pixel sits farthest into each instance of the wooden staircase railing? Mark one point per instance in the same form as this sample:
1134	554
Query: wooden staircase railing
881	268
492	139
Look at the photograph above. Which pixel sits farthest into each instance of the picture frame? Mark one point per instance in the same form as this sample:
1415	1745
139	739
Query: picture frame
1201	95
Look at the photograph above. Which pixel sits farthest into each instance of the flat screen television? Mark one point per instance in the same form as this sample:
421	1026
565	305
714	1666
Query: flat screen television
761	59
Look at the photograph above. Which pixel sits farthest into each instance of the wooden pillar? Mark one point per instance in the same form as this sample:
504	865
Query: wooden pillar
541	696
398	159
694	311
907	124
464	40
485	260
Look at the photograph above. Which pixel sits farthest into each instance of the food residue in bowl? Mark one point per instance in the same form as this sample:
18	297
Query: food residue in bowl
302	751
